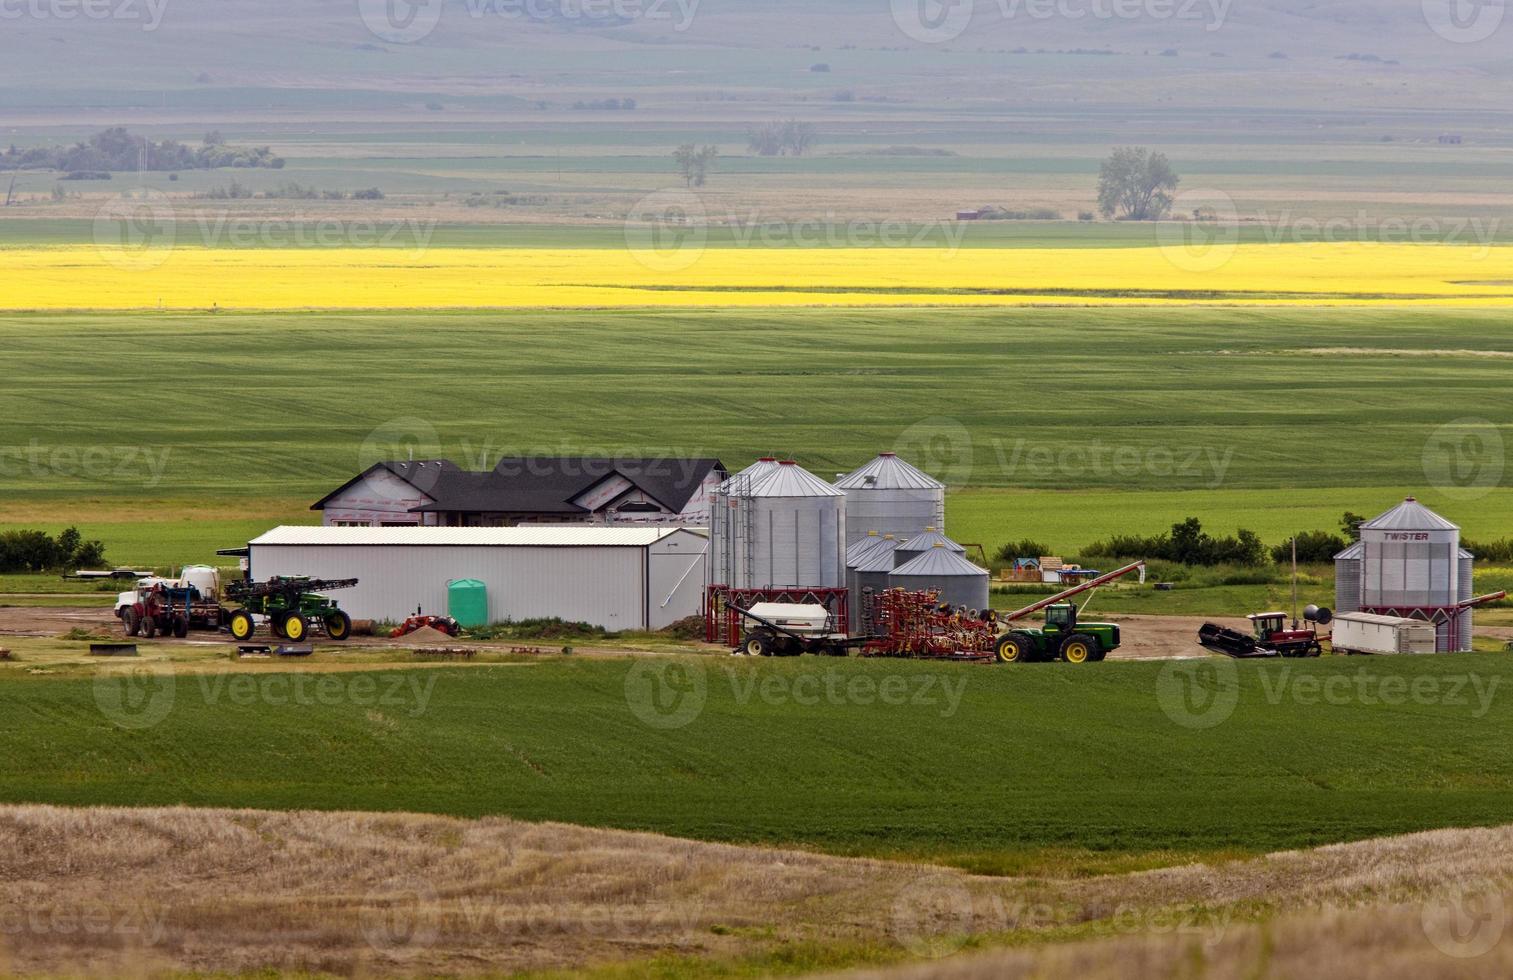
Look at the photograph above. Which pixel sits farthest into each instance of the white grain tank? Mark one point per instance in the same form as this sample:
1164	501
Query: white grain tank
922	543
890	496
792	533
942	570
1411	566
729	524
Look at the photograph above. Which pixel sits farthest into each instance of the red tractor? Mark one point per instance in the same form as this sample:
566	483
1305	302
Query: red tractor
443	624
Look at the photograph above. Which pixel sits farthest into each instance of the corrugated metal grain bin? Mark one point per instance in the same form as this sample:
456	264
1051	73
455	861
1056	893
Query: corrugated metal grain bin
615	577
468	602
785	529
1369	633
921	544
958	581
890	496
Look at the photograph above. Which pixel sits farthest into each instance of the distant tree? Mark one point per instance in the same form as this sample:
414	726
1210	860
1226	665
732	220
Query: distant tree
1314	547
1350	526
694	163
1136	185
782	138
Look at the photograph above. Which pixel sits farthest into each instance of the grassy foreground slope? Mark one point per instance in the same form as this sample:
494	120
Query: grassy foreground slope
989	768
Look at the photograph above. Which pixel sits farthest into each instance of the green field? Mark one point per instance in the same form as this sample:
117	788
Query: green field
1277	421
985	767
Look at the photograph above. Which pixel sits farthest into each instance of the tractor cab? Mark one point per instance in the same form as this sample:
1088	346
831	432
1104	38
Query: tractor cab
1061	618
1267	624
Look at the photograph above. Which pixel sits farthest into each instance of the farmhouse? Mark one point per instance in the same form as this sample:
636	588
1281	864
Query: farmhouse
519	490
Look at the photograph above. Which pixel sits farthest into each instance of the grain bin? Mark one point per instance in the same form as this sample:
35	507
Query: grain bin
869	576
1347	579
858	548
921	543
890	496
784	529
1412	566
942	570
729	520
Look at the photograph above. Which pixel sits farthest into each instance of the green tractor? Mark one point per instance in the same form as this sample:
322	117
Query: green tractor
293	605
1061	638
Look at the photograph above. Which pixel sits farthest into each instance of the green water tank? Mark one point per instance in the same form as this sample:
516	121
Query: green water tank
468	602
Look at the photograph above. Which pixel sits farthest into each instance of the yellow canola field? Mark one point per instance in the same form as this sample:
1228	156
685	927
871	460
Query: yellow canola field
86	277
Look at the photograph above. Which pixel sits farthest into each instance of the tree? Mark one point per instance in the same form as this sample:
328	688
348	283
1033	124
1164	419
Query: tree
694	164
782	138
1350	525
1136	185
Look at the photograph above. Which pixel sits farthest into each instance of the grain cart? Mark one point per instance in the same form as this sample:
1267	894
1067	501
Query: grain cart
292	605
787	629
1064	636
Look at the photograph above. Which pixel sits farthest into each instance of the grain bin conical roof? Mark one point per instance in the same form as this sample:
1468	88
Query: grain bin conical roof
789	479
1410	515
928	540
858	550
938	562
740	482
879	558
888	472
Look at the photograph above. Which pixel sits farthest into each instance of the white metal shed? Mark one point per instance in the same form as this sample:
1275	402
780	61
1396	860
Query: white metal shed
615	577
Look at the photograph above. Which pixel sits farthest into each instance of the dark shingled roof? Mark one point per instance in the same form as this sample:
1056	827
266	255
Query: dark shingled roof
544	485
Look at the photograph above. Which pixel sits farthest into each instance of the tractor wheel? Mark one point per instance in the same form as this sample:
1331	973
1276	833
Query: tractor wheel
1079	648
180	627
1013	649
130	622
338	625
293	626
241	624
758	645
149	626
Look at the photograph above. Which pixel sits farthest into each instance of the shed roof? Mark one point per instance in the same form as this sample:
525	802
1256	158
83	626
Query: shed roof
1355	552
888	472
1410	515
939	562
543	536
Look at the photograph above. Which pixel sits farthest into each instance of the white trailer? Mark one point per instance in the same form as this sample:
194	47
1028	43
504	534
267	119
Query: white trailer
1359	632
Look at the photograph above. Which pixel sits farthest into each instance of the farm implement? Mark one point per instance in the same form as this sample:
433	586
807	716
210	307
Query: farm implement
292	605
1064	636
1271	636
916	625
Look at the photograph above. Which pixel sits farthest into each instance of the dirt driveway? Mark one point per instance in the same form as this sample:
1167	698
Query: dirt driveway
1145	637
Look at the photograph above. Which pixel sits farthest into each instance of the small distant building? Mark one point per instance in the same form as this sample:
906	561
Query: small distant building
971	215
1451	139
527	490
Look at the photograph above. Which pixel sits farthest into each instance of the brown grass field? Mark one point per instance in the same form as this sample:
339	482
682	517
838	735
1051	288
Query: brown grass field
112	892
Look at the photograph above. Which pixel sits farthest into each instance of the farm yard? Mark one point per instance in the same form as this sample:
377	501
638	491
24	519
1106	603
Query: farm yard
755	491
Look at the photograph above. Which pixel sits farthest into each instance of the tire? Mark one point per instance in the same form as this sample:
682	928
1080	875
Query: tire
338	625
149	627
180	627
241	625
1013	649
129	621
293	627
276	626
758	645
1079	648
